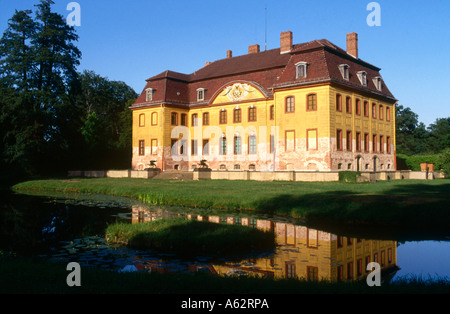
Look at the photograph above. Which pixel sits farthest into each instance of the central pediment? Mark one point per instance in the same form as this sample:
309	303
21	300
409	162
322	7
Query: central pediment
238	92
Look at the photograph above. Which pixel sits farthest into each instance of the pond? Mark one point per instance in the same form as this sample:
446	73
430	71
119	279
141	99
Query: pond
70	228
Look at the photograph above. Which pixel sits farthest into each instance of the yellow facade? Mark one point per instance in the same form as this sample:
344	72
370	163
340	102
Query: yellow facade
301	252
289	118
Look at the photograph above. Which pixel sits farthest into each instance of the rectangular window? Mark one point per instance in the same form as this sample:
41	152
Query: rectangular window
338	102
194	148
223	117
389	256
358	141
348	104
381	112
154	118
237	115
359	269
223	145
174	147
205	147
154	146
366	109
350	270
366	142
290	104
194	120
348	140
381	144
237	145
388	144
206	118
290	270
388	113
358	107
374	110
272	143
339	139
183	147
290	141
184	119
174	118
383	259
272	112
312	102
252	114
312	273
374	143
142	120
311	135
252	144
340	273
141	147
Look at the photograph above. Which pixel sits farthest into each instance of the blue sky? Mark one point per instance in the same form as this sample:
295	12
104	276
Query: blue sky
133	40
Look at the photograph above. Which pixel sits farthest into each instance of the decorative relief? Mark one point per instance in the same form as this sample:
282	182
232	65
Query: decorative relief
237	91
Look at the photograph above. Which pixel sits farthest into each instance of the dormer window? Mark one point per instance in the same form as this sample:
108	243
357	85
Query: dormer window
344	68
149	94
362	75
200	94
300	69
377	83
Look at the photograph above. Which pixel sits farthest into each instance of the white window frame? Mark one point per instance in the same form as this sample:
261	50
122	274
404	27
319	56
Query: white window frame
149	94
362	75
377	82
345	71
201	94
298	66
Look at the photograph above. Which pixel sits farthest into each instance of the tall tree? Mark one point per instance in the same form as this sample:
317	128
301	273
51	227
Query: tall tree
439	135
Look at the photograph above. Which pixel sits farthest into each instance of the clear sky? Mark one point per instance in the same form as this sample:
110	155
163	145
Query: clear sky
133	40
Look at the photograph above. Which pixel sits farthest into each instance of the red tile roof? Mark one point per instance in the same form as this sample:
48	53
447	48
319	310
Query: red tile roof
268	69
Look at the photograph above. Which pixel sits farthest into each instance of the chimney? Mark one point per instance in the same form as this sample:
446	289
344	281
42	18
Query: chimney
352	44
229	54
207	63
285	42
253	48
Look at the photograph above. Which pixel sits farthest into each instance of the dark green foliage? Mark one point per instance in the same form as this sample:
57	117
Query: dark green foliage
47	108
191	238
413	138
349	176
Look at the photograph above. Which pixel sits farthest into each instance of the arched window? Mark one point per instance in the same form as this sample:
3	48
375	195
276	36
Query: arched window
252	114
154	118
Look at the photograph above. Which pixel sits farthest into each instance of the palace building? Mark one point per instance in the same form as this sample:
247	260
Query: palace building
306	107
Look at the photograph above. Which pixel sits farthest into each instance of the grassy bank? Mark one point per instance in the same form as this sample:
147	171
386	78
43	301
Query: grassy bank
20	275
190	238
416	203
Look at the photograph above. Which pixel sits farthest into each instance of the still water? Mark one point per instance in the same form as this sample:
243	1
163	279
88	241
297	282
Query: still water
68	228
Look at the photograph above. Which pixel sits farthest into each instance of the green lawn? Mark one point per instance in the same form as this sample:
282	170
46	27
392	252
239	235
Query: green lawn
419	204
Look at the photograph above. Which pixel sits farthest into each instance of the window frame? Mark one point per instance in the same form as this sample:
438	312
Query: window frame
141	148
142	121
338	102
237	113
194	119
205	121
348	104
172	116
223	116
252	144
298	66
290	106
314	104
252	114
349	143
339	140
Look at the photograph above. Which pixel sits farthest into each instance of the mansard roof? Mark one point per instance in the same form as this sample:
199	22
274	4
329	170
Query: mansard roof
269	69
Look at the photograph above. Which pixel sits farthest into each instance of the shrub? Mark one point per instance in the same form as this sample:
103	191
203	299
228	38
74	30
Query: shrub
349	176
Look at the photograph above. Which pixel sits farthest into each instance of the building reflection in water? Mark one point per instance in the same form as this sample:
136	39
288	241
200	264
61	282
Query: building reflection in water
301	252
